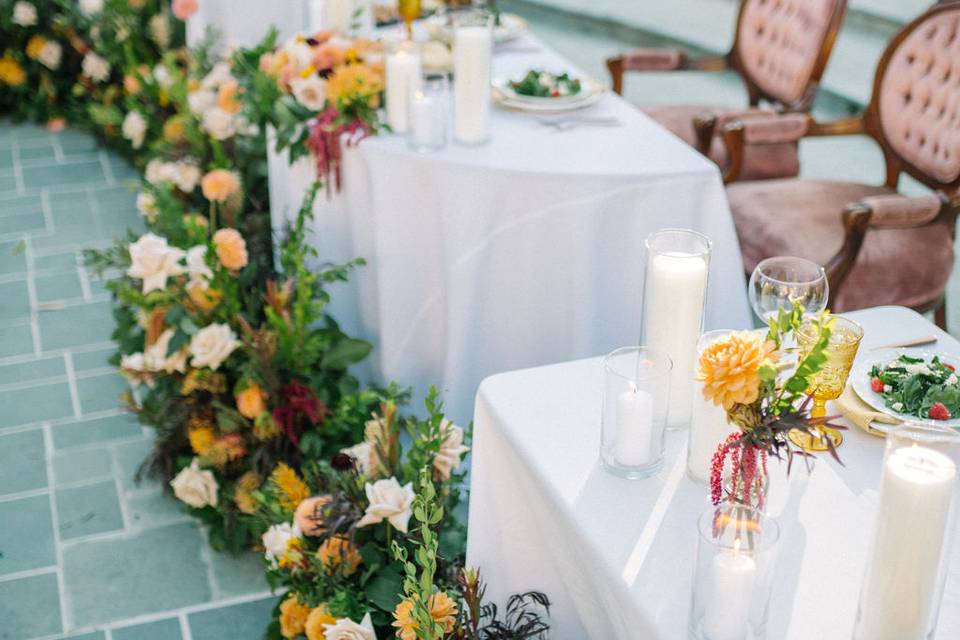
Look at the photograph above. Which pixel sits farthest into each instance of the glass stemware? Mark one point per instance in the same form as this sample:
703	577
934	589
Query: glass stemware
409	11
777	283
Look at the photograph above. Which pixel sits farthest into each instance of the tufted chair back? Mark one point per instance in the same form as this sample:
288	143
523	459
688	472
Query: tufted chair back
782	47
917	98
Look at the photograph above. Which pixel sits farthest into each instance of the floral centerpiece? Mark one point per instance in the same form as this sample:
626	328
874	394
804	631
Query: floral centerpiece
744	374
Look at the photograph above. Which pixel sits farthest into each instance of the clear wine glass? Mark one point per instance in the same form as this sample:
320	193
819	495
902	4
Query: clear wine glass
777	283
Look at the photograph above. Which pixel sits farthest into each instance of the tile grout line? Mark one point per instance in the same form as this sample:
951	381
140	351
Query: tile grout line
66	619
107	170
47	211
184	627
17	168
68	377
32	298
22	495
121	494
28	573
57	150
208	561
72	384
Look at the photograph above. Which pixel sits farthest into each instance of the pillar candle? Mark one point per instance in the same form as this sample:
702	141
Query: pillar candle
424	119
916	491
404	77
727	615
674	315
634	427
472	48
708	428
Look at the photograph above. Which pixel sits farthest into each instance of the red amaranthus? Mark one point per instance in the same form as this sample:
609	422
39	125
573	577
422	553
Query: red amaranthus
298	400
324	142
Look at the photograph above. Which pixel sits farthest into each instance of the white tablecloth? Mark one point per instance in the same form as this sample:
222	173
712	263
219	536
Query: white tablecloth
523	251
616	557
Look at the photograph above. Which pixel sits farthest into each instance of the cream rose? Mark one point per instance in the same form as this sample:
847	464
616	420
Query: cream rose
197	265
311	91
156	358
451	450
153	261
96	67
185	175
134	128
162	75
219	123
50	55
347	629
90	7
388	501
219	74
196	487
201	100
212	345
159	28
147	206
24	14
276	539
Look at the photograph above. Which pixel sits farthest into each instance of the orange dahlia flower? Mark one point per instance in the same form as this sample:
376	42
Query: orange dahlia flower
730	368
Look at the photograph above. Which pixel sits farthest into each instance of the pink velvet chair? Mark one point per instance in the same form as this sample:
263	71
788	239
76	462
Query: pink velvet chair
780	51
878	247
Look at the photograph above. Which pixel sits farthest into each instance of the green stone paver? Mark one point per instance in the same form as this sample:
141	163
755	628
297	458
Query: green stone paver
247	620
123	550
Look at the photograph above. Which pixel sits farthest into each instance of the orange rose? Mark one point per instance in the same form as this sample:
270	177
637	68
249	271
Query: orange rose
227	97
315	627
250	401
56	124
231	249
174	130
204	298
293	617
338	551
219	185
131	85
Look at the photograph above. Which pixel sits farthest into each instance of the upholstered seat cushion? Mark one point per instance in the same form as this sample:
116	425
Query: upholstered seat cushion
907	267
760	161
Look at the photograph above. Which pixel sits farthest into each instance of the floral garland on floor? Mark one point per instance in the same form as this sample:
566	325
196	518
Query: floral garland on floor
261	430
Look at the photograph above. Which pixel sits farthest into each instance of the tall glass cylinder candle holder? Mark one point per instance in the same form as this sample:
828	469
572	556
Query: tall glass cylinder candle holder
675	290
908	559
428	115
472	56
635	396
708	424
732	581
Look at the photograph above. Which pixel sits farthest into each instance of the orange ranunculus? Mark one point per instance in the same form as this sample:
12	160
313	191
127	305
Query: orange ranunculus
231	248
729	368
11	73
293	616
250	401
35	47
315	628
227	97
443	610
338	551
219	185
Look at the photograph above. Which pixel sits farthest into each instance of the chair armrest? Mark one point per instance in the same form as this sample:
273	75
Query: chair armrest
757	130
659	60
903	212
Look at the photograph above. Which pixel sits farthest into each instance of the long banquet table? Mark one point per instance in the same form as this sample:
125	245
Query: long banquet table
522	251
616	557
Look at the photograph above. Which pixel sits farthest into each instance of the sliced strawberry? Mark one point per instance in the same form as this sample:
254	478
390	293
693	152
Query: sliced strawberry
877	385
939	412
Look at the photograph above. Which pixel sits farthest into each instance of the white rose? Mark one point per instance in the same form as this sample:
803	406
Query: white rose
24	14
147	206
90	7
212	345
134	128
195	487
185	175
388	501
201	100
276	539
155	356
156	171
159	28
50	55
162	75
311	91
301	54
347	629
96	67
362	453
219	74
218	123
197	264
133	362
153	261
451	450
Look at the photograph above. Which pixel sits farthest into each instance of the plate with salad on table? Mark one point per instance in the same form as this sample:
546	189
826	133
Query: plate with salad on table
544	90
915	386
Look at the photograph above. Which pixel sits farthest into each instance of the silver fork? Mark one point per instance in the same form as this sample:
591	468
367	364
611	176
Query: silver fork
566	124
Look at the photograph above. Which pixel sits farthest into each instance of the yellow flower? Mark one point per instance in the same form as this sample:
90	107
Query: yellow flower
338	551
729	368
443	610
314	627
246	485
231	249
11	73
250	401
173	130
293	490
293	616
352	82
201	440
293	555
35	47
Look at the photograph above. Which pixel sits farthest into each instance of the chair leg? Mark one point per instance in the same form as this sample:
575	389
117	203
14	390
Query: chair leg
940	314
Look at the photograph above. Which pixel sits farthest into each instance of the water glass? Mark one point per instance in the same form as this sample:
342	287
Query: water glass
777	283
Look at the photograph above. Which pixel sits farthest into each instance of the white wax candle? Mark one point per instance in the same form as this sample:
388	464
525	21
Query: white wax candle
338	15
674	315
634	427
727	615
404	78
472	48
708	428
423	120
916	491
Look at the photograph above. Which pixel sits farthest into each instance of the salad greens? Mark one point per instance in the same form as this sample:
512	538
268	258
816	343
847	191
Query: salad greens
542	84
914	386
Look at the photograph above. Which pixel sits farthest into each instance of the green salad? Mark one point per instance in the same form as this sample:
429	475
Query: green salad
914	386
542	84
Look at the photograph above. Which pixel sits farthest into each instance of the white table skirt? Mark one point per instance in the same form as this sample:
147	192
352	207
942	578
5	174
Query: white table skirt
616	557
520	252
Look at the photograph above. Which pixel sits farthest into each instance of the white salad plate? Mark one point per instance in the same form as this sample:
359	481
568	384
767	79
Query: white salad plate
860	380
504	95
510	28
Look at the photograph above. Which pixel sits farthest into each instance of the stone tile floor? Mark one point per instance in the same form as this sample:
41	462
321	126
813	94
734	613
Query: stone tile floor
84	551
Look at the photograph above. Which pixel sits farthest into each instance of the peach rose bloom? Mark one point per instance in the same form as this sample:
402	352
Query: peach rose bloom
204	298
328	56
250	401
231	249
227	97
183	9
56	124
304	515
219	184
131	85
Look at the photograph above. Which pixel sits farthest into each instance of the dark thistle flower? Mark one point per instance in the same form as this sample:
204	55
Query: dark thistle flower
343	462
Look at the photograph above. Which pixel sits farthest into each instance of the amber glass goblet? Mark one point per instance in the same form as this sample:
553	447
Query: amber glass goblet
409	11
